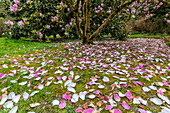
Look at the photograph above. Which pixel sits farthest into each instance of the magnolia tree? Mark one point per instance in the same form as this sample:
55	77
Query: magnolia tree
118	8
39	18
90	17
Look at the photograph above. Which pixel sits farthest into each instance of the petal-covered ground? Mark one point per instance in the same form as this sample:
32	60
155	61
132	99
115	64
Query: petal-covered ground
115	77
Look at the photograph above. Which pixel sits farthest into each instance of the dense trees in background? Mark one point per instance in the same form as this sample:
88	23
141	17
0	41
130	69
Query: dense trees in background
87	19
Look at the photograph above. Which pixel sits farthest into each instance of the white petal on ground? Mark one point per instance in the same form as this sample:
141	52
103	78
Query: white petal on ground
30	112
55	102
38	78
145	89
153	87
164	110
13	81
3	100
8	104
112	102
105	79
75	98
64	78
33	93
101	86
164	98
4	89
77	77
121	95
25	96
144	102
58	72
48	83
71	73
16	98
67	82
50	78
156	101
122	79
91	96
41	86
11	95
136	101
34	104
13	110
71	89
23	83
82	95
72	84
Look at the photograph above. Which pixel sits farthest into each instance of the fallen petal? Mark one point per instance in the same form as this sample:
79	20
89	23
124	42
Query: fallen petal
62	104
13	110
125	105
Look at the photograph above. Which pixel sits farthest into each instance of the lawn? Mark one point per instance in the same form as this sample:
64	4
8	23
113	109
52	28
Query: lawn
147	35
129	76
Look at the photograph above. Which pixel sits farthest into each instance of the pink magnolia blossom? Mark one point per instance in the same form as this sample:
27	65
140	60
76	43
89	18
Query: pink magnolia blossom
116	97
80	109
62	104
14	8
48	26
166	15
9	23
41	35
28	1
25	20
108	107
129	95
21	23
40	14
88	110
67	97
168	21
117	111
61	4
53	18
16	1
125	105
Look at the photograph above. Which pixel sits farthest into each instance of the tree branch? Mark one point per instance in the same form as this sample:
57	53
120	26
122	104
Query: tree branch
76	15
95	34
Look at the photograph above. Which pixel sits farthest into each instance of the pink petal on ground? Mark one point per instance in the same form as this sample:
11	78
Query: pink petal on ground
116	97
67	97
125	105
96	92
1	75
117	111
59	78
88	110
129	95
160	92
142	111
80	109
62	104
141	66
108	107
4	81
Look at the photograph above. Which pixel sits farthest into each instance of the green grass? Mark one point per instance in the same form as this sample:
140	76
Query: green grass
9	46
65	55
147	35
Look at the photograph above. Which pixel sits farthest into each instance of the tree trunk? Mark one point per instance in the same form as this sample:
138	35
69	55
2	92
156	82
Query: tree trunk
86	22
